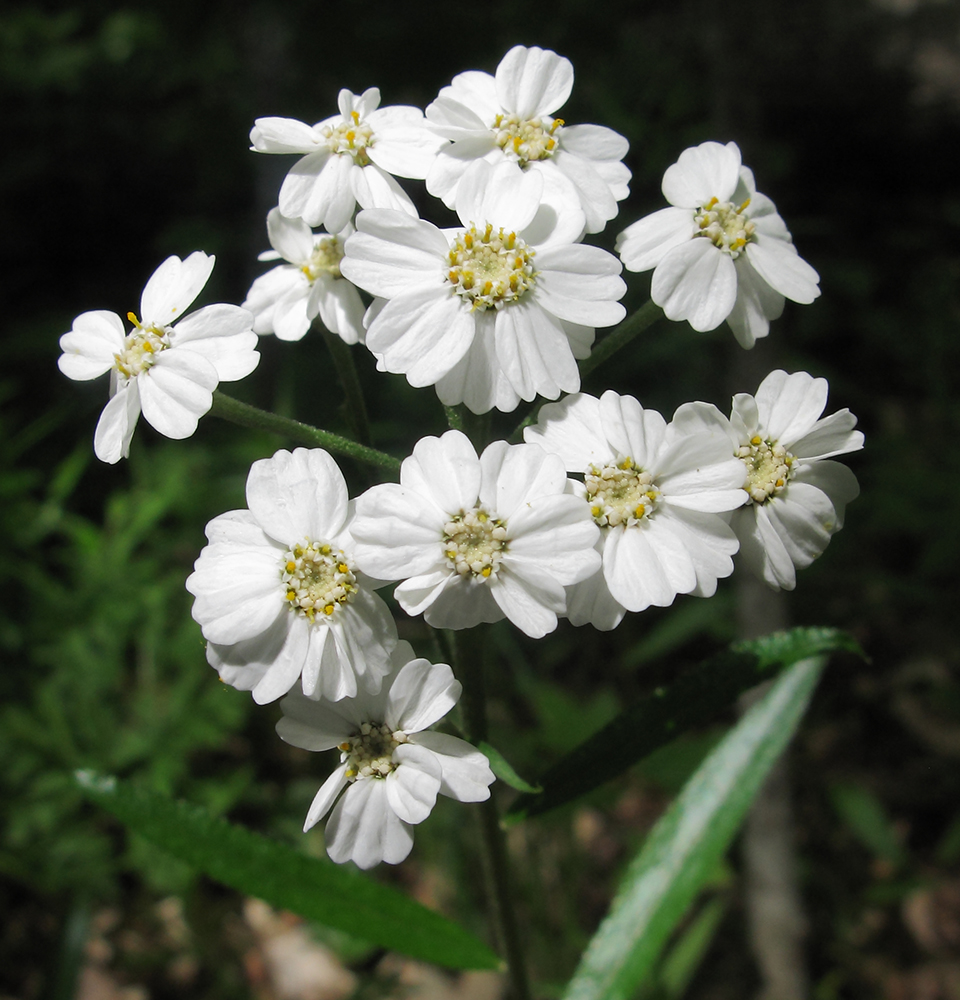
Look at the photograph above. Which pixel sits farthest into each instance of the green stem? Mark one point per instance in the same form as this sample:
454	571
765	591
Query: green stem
454	417
619	337
228	408
493	848
356	408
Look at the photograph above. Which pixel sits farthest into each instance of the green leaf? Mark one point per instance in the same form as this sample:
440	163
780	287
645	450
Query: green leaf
682	850
680	966
503	769
694	699
333	895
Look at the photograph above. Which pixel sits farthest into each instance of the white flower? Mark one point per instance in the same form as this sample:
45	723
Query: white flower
168	371
477	540
390	768
656	490
277	592
494	312
350	159
722	253
509	116
287	299
796	498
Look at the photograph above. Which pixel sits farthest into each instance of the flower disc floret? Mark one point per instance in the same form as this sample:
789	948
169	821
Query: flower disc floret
369	753
620	494
769	468
140	348
725	225
325	259
527	139
350	138
317	579
475	542
490	267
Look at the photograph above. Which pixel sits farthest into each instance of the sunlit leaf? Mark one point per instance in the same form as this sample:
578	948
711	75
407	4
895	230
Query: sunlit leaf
503	769
683	848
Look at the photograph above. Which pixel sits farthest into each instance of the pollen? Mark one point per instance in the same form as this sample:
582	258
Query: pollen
351	137
527	139
621	493
140	348
769	468
474	542
369	752
325	259
726	226
490	268
317	580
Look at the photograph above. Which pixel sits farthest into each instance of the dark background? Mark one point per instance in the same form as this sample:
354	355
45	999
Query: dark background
125	140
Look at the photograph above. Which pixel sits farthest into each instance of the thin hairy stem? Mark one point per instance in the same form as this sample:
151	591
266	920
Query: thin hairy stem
354	405
228	408
493	849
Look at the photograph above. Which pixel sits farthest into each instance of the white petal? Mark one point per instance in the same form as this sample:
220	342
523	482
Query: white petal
532	609
631	430
789	405
291	238
446	469
453	118
590	602
762	549
477	380
597	200
177	391
515	475
465	771
325	797
478	91
172	287
573	430
315	725
833	435
407	149
644	244
283	135
634	571
398	532
503	195
422	334
421	694
89	349
836	481
365	635
364	829
116	425
462	603
804	519
757	303
412	788
581	284
533	81
298	495
702	172
298	186
696	282
373	187
783	269
223	335
341	309
391	253
533	351
555	537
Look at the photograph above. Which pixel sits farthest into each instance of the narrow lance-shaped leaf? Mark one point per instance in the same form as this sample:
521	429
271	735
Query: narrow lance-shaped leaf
336	896
695	698
682	849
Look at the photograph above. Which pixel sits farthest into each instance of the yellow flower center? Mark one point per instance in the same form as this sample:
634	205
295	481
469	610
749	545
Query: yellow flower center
769	468
369	753
474	541
140	349
325	259
527	139
350	138
490	268
725	225
317	580
621	493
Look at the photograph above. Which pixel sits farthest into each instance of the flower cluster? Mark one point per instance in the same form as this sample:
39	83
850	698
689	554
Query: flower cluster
607	507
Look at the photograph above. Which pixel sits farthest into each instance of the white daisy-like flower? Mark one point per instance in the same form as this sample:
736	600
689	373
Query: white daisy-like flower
494	312
722	252
288	298
656	491
278	594
510	116
350	158
796	497
390	770
477	539
168	371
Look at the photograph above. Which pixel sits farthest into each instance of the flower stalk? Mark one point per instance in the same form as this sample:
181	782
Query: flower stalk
237	412
355	408
493	849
